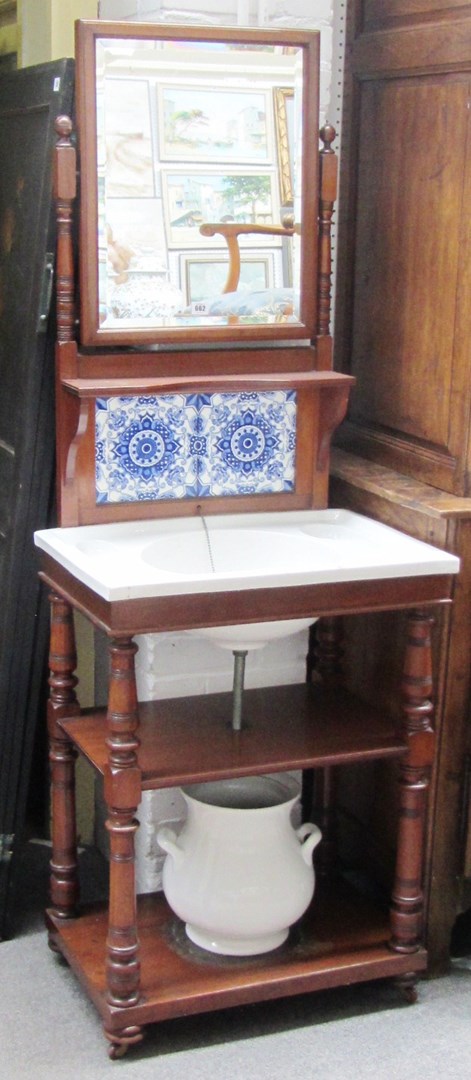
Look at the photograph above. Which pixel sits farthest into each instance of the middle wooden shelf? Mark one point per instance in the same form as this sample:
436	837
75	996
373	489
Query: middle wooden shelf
188	740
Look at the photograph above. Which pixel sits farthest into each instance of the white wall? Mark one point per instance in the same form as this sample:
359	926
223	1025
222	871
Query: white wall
47	28
313	14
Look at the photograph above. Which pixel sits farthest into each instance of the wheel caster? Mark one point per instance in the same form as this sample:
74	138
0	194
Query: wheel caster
117	1050
122	1039
407	987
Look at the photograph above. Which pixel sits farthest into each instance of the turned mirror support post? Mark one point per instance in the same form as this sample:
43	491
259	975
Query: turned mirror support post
64	889
328	195
407	898
65	190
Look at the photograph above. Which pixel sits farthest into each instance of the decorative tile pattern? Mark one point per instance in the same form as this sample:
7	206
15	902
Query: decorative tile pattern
142	448
251	443
178	446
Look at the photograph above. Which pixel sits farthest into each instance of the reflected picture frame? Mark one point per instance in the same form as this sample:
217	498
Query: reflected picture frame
283	100
203	274
231	127
196	195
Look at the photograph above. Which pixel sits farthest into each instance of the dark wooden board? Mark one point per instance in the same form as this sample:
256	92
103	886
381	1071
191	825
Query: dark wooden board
30	100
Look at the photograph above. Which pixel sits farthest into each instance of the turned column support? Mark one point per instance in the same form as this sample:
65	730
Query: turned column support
64	889
417	730
325	662
122	794
327	649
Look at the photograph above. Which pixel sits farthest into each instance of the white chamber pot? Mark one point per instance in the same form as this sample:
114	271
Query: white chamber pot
239	874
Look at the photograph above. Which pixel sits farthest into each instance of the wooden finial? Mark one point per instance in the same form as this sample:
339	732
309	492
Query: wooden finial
327	135
64	127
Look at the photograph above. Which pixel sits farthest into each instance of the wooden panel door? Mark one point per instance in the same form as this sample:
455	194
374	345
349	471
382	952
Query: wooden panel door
30	100
404	302
377	13
403	327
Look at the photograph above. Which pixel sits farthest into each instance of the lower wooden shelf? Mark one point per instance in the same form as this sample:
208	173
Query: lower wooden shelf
342	939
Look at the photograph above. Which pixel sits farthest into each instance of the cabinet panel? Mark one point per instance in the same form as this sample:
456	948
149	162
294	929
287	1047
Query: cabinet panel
403	327
404	282
378	13
407	255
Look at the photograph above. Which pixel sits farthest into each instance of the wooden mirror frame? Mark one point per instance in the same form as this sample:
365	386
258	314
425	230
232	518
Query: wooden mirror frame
92	334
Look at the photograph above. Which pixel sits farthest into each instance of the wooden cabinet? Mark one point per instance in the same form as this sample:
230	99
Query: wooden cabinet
133	958
403	329
431	515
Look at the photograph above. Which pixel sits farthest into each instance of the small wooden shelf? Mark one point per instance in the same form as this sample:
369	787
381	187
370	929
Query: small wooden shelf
342	938
153	383
285	727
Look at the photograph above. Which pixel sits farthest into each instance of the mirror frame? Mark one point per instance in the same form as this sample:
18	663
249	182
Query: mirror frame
91	333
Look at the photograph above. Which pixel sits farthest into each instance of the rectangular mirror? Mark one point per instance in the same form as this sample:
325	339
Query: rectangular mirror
199	193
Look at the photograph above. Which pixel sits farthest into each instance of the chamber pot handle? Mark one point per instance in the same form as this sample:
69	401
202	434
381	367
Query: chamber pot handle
167	840
310	835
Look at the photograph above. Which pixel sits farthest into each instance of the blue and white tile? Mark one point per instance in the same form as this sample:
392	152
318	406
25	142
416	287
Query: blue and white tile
251	443
178	446
142	448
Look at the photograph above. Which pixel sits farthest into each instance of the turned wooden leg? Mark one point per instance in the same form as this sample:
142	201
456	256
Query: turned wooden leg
122	794
326	649
324	813
407	898
64	888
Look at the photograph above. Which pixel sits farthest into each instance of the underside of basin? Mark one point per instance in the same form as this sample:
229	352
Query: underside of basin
249	636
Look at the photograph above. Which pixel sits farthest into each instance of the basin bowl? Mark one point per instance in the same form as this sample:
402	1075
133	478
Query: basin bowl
229	550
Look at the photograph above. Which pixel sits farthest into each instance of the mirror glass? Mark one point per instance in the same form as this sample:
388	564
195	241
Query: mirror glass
195	207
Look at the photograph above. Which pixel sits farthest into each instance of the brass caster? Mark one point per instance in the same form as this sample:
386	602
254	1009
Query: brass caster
121	1040
117	1050
52	945
407	986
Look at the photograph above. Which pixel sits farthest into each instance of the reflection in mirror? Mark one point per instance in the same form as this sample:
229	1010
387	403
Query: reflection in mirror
201	158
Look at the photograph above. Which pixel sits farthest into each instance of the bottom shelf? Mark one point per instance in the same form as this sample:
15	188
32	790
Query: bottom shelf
341	940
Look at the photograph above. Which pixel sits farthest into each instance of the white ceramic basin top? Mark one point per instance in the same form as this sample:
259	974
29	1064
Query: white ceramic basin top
249	551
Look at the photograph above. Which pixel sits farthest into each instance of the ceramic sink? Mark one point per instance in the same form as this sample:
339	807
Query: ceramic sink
227	553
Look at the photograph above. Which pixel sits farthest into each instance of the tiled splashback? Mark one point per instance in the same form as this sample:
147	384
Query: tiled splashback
179	446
